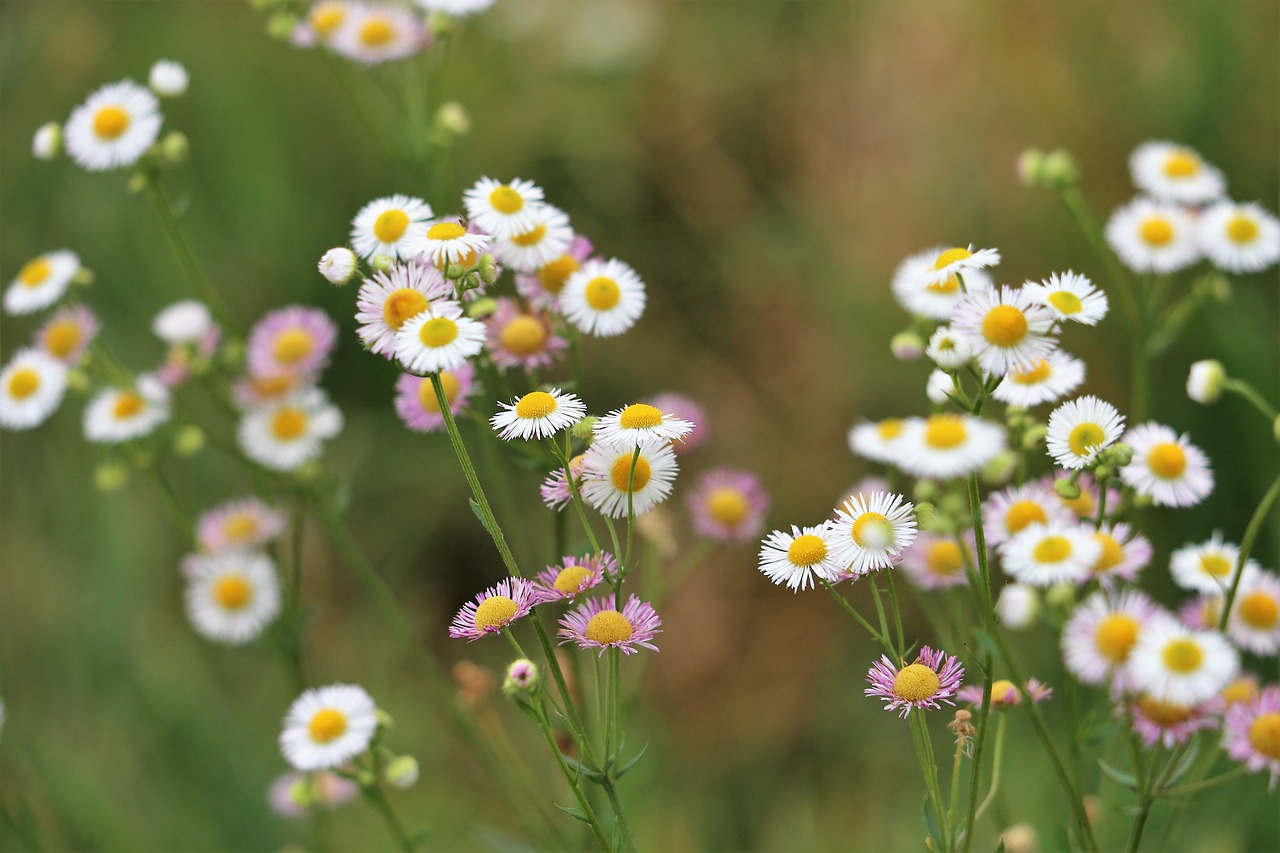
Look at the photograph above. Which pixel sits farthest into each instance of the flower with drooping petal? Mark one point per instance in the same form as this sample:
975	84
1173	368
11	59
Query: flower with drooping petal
572	577
595	624
1251	733
539	414
934	677
494	609
919	294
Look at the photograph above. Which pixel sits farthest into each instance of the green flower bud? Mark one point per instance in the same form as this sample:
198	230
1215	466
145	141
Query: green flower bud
1066	488
926	491
137	184
1000	469
281	25
402	772
1060	169
188	441
1030	168
1213	286
382	263
83	277
522	678
111	476
384	719
453	272
488	269
481	308
1034	435
584	428
907	346
452	118
78	381
1061	596
174	148
302	795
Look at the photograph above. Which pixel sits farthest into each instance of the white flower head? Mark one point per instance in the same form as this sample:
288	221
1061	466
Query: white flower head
1240	238
375	33
1209	567
538	414
1052	378
447	241
41	282
546	239
289	431
795	559
947	445
919	294
958	262
185	322
1153	237
948	349
640	423
232	597
604	298
1009	330
439	338
46	144
1174	664
877	441
114	127
1166	466
384	225
32	386
1080	429
1174	173
122	414
503	209
871	532
615	480
1070	296
328	726
1043	555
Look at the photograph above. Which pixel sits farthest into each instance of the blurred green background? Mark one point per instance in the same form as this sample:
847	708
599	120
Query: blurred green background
764	166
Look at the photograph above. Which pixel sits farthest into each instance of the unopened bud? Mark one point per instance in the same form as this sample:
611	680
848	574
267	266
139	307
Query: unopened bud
1018	606
481	308
382	263
384	719
1061	595
47	142
939	387
907	346
83	277
926	490
174	148
453	272
1066	489
1020	838
281	25
1000	469
1033	436
522	678
137	184
402	772
1060	169
1205	381
78	380
488	269
453	118
301	794
338	266
1030	167
1121	454
189	441
585	427
110	476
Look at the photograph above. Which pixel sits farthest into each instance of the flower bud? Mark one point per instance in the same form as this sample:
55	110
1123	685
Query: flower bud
1066	488
189	441
281	25
383	718
78	380
522	678
111	476
47	142
168	79
338	265
481	308
907	346
453	118
488	269
174	148
137	184
1033	436
939	386
402	772
1061	596
1018	606
83	277
585	427
1030	167
301	794
1205	380
453	272
382	263
1000	469
1060	169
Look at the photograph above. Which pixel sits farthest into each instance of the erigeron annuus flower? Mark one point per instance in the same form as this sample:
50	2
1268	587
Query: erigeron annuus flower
1240	238
1209	567
637	424
531	249
322	22
572	577
114	127
393	297
68	333
1166	466
1251	733
1009	511
1178	666
503	209
948	349
539	414
1153	237
947	445
870	533
688	409
934	561
1018	606
797	558
1046	554
1009	331
1051	378
294	795
934	677
1124	553
231	597
184	322
1102	633
285	433
541	289
41	282
1254	623
446	241
328	726
521	339
382	226
374	33
958	262
168	79
1201	612
1079	429
494	609
608	472
437	339
236	525
294	340
1005	694
1171	724
416	401
728	505
919	294
1070	296
603	298
554	490
1243	688
1174	173
32	386
596	624
250	392
123	414
877	440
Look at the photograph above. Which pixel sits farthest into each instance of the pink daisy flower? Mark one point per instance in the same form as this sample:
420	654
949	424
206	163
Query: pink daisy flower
1252	733
685	409
937	562
1172	724
1099	637
68	333
1201	613
572	577
555	491
494	609
416	402
596	625
240	524
728	505
934	677
1009	511
394	296
1005	694
521	339
541	289
291	341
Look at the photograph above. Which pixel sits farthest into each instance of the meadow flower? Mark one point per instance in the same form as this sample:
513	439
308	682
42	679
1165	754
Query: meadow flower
1166	466
250	392
595	624
870	533
603	298
328	726
1251	733
375	33
41	282
521	339
686	409
878	440
937	562
1070	296
1005	694
796	558
637	424
383	225
1243	688
532	248
1080	429
287	432
123	414
1009	511
338	265
323	21
1171	724
1205	380
184	322
1101	634
947	445
920	295
1124	553
494	609
68	333
1209	567
114	127
555	491
1010	332
949	350
1202	612
1178	666
1051	378
541	289
1046	554
293	794
46	143
446	241
231	597
416	402
572	577
1174	173
539	414
393	297
32	386
1254	623
241	524
958	262
1153	237
503	209
296	339
1240	238
728	505
934	677
168	79
608	472
439	338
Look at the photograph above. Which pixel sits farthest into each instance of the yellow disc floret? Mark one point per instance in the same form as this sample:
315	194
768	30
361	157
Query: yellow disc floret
1242	229
438	332
240	527
1035	375
807	550
950	256
524	335
1116	636
1181	164
494	612
944	432
530	238
1112	553
622	473
872	530
390	225
1155	231
1004	326
1167	460
506	200
916	683
1085	438
23	382
62	338
554	274
427	393
571	578
950	285
945	558
376	32
445	231
288	423
603	293
327	725
1183	656
110	122
538	404
1022	513
292	345
1163	713
727	505
1259	610
640	416
232	591
34	272
1066	302
890	428
1052	549
128	404
403	305
609	627
1264	735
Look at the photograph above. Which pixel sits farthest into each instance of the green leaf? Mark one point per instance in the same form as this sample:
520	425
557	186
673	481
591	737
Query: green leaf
1119	775
1184	765
528	711
572	812
931	821
632	763
475	507
583	770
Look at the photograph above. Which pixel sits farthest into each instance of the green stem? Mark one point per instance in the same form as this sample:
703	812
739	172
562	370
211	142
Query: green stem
378	799
844	602
172	503
988	618
897	613
995	767
929	769
1244	389
578	502
182	249
611	789
1246	547
571	777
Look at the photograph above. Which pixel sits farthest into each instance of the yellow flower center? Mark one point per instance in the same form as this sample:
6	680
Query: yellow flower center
506	200
34	272
1242	229
240	527
1116	636
1003	692
390	225
554	274
445	231
293	345
944	432
571	579
807	550
1215	564
1259	610
128	404
1167	460
1052	549
640	416
530	238
1162	713
438	332
109	122
272	386
950	256
1035	375
427	393
327	725
1264	735
1022	513
945	558
1066	302
1183	656
608	627
62	338
494	612
536	404
232	591
1004	326
1240	690
1181	164
326	17
1155	231
916	682
1081	506
872	530
603	293
403	305
23	382
1084	438
727	505
1112	553
950	285
524	335
622	473
288	423
890	428
376	32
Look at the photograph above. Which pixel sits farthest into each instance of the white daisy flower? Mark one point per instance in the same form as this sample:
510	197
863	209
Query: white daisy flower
440	338
183	322
232	597
41	282
638	424
794	559
1254	623
546	240
935	300
382	226
1046	554
939	387
877	441
1166	466
603	298
47	142
123	414
287	432
1174	664
947	445
32	386
607	473
1080	429
871	532
958	262
1070	296
1153	237
948	349
1240	238
378	33
1174	173
1009	331
447	242
113	127
1053	377
328	726
168	79
1209	567
503	209
1102	633
393	297
538	414
1008	512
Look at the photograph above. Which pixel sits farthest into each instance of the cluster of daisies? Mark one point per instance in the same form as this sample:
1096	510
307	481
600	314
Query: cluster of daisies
372	33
